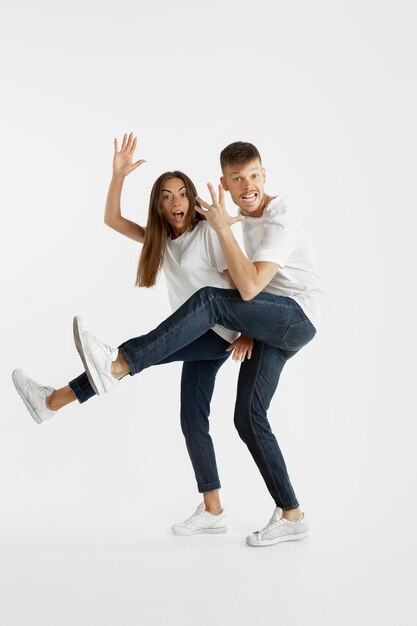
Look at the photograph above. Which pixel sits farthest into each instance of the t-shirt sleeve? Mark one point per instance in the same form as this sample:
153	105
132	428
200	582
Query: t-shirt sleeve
279	238
216	252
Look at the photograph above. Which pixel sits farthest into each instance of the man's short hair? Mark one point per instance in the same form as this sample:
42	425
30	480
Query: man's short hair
238	153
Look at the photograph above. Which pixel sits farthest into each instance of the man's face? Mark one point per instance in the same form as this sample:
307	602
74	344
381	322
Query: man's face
246	186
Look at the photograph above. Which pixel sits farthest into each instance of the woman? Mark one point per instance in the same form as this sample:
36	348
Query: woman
178	240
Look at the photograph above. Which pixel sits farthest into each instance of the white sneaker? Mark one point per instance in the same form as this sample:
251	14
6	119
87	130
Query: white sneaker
279	529
201	522
96	357
33	395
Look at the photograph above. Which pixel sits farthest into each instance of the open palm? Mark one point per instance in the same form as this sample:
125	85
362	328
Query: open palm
123	158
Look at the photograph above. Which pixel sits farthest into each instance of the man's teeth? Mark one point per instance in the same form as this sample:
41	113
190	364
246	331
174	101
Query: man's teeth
251	197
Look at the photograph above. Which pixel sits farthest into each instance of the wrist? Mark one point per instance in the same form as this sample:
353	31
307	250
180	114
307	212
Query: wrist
223	230
117	177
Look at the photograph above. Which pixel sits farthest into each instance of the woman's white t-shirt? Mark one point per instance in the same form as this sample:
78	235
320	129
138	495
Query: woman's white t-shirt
195	260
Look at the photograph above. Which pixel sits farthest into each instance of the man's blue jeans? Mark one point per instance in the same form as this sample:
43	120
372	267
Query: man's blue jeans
280	327
201	361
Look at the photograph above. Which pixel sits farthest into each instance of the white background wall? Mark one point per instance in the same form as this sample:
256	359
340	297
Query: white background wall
327	92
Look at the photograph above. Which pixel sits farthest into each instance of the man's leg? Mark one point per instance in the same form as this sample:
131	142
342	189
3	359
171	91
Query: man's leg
208	346
43	402
275	320
258	380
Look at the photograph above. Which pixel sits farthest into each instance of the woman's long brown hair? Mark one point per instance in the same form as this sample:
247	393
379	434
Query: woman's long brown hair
158	230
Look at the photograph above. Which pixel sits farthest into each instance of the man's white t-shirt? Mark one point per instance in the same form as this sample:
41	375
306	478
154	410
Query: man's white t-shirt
195	260
279	236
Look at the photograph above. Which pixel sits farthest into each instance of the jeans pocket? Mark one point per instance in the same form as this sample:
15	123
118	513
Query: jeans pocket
298	335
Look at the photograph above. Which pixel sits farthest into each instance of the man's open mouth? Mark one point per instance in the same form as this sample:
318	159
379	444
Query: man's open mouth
249	197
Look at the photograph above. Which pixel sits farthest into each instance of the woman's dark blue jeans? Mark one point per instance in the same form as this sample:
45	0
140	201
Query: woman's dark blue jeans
280	327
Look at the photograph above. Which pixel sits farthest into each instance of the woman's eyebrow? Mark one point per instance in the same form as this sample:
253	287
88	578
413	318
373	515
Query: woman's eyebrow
169	190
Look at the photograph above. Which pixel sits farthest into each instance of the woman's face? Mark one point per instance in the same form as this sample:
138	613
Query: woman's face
175	205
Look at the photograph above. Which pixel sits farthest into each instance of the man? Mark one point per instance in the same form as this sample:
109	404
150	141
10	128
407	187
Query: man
280	262
277	303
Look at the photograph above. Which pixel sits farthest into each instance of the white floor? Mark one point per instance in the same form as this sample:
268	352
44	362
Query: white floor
127	576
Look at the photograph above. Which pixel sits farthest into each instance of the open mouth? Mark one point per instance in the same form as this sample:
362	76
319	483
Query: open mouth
249	197
178	216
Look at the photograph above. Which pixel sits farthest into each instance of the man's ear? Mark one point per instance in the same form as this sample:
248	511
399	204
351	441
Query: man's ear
223	183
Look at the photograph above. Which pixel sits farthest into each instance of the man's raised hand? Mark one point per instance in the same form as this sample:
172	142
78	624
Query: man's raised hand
215	213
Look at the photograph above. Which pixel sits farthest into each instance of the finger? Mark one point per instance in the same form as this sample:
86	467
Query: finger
237	218
124	142
135	165
204	204
133	146
249	354
238	354
116	145
221	195
200	210
129	142
212	193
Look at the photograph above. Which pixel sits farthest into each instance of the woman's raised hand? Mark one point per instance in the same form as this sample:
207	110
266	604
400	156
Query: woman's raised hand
122	159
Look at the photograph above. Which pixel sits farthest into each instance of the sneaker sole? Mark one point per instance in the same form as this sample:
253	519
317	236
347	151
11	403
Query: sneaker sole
270	542
205	531
90	369
27	404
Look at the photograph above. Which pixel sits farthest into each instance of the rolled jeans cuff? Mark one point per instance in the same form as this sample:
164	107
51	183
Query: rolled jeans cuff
82	395
205	487
128	361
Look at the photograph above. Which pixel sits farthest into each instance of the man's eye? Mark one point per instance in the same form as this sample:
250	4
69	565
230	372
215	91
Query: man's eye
237	178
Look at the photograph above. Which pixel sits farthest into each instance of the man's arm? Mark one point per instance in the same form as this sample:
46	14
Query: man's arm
249	278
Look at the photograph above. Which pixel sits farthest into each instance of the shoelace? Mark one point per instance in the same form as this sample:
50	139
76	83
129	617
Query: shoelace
271	524
104	346
190	521
38	389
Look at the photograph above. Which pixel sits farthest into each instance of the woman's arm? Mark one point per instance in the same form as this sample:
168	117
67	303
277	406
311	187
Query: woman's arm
122	166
